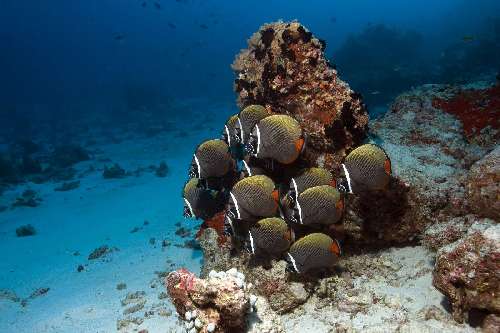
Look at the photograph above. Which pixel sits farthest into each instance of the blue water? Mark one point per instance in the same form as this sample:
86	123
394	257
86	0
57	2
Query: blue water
102	74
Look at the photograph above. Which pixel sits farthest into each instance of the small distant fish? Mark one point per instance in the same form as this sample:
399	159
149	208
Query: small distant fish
158	5
376	92
468	38
171	25
204	26
118	36
144	4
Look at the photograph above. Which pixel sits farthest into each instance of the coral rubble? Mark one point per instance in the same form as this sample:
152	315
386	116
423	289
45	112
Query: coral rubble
284	68
468	271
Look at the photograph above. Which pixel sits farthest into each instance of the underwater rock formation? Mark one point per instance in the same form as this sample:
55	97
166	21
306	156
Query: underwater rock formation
430	156
219	303
483	185
468	271
284	69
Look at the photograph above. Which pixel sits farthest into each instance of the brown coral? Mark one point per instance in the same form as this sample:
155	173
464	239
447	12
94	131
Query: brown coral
284	69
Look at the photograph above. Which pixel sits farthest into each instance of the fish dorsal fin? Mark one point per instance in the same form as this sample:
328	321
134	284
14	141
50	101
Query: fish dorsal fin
387	167
276	195
299	144
335	248
340	205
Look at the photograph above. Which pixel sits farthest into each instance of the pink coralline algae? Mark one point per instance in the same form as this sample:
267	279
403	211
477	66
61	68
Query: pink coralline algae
285	70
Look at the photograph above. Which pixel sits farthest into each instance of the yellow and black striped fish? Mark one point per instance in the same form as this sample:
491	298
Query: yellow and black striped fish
212	159
277	137
366	168
270	237
313	252
253	198
318	205
200	202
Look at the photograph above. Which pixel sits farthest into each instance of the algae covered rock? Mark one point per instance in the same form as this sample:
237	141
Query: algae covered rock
467	272
483	185
284	69
218	303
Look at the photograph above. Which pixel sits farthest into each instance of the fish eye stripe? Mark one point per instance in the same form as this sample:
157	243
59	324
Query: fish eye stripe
241	129
348	178
292	260
258	140
189	206
251	242
238	215
226	129
197	165
247	168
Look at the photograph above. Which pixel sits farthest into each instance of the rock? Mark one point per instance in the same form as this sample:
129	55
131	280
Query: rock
9	295
115	171
491	324
68	155
219	303
447	232
217	257
282	294
483	185
123	323
37	293
284	69
29	198
25	230
121	286
162	170
478	110
430	157
467	272
30	165
80	268
99	252
68	186
135	307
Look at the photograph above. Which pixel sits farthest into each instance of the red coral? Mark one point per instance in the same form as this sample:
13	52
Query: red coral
216	223
476	108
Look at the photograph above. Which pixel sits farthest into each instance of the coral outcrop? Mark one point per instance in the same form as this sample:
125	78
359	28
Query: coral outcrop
432	199
284	68
483	186
468	271
219	303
